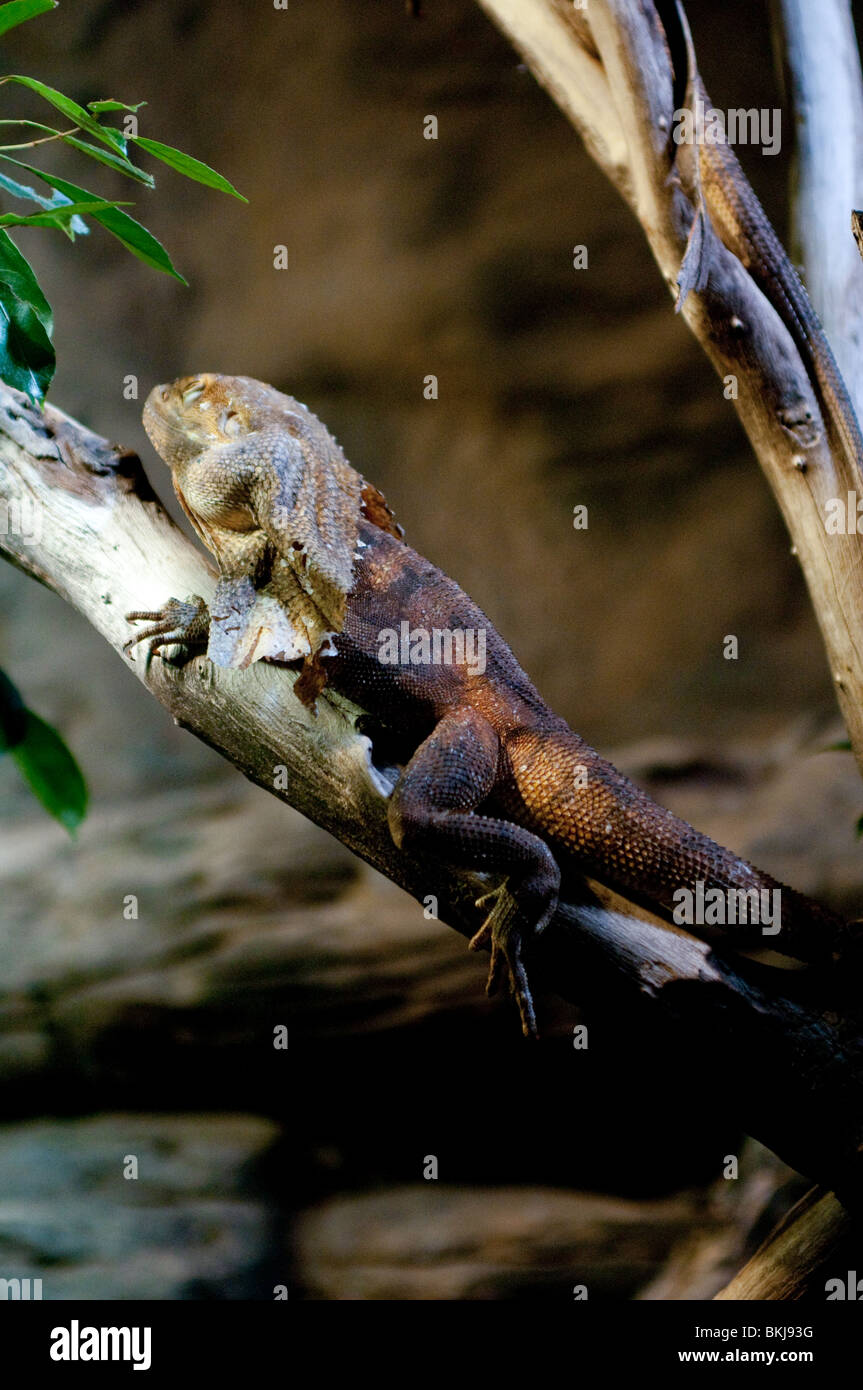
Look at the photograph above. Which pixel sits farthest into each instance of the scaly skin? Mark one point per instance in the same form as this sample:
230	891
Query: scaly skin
497	781
745	229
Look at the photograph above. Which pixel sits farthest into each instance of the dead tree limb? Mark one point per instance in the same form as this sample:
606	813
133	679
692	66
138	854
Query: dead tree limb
791	1262
609	67
826	91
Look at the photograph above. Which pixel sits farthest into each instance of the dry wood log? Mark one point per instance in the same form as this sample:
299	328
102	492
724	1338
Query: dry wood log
791	1262
704	1260
826	90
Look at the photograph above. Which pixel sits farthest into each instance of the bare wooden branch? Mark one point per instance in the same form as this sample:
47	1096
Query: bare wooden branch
609	69
826	90
795	1253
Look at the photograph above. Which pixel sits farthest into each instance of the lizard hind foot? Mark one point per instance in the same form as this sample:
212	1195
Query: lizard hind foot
503	932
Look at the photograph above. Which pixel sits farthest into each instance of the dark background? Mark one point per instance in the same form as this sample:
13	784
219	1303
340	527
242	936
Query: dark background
152	1037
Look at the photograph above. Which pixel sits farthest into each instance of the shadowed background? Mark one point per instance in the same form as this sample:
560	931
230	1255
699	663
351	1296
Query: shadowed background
557	388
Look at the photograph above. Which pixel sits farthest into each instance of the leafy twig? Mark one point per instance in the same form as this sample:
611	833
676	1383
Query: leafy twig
27	358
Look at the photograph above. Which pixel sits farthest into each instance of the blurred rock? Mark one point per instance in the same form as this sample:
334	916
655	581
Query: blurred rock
197	920
434	1242
431	1241
189	1226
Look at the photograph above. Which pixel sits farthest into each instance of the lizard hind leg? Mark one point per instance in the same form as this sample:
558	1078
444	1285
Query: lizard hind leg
433	810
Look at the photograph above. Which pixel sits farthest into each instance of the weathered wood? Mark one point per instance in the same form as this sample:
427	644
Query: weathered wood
609	69
794	1255
826	91
704	1260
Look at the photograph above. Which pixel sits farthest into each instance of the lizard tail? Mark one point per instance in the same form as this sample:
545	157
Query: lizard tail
616	833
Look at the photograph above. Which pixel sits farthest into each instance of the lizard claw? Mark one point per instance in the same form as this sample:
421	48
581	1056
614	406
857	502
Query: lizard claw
183	623
503	932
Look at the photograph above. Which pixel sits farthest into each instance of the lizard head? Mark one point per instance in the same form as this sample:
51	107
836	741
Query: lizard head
194	413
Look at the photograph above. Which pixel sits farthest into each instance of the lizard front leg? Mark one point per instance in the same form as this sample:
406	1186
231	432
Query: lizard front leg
181	622
432	809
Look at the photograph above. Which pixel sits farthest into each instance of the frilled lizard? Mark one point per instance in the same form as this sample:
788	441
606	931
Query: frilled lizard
313	567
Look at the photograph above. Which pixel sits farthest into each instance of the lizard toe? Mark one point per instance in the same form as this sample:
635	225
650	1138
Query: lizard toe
505	930
181	623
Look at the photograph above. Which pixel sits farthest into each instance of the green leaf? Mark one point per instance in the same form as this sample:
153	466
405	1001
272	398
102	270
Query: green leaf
13	714
27	358
114	161
56	217
120	162
133	236
185	164
111	105
81	117
18	275
859	828
42	756
16	11
843	746
52	772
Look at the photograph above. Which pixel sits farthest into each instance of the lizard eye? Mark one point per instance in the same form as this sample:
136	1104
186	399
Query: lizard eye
230	422
193	391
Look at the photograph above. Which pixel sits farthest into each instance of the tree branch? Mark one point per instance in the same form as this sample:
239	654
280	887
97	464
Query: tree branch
610	70
786	1266
827	104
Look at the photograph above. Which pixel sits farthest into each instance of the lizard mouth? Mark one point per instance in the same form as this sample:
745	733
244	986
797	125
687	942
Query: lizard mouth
167	425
